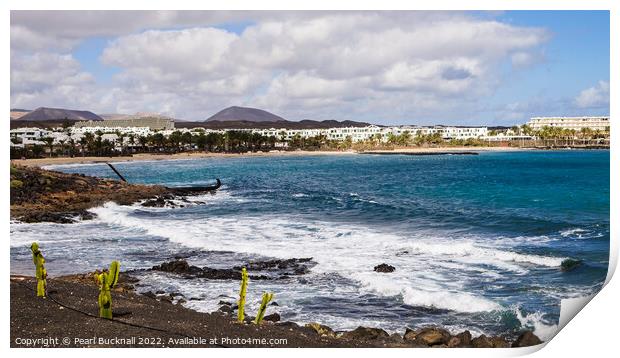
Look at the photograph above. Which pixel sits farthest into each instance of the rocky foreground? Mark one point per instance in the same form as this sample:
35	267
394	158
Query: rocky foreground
67	318
39	195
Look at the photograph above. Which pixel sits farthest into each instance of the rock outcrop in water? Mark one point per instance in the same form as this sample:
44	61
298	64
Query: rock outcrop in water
161	201
385	268
43	195
270	269
569	265
287	267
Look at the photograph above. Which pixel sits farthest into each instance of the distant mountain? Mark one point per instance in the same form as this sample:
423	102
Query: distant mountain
305	124
17	113
244	114
53	114
244	118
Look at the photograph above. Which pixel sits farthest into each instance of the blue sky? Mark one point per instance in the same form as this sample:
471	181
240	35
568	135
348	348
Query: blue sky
576	56
378	67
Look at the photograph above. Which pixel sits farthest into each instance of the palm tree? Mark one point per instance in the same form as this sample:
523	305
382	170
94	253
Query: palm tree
213	140
83	143
272	141
526	130
347	143
121	139
158	140
201	141
187	139
143	141
50	143
72	147
404	138
392	139
62	146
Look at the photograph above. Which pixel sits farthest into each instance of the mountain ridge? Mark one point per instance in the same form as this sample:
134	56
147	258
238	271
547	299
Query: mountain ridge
51	114
244	114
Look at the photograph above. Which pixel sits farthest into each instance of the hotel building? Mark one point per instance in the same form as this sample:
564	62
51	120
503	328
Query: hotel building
576	123
153	123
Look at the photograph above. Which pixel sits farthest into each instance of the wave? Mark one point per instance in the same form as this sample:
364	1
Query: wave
68	166
425	295
24	234
433	273
454	301
580	234
536	322
482	254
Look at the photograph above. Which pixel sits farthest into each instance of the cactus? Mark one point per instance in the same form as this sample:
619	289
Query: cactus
267	297
241	303
41	272
107	280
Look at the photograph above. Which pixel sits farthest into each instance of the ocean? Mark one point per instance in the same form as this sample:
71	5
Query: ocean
477	242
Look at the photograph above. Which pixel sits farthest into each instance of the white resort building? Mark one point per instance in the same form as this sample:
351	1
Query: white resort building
358	134
154	123
576	123
21	137
110	130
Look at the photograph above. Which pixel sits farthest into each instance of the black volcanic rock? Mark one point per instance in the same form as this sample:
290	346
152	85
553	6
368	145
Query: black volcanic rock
50	114
258	270
385	268
569	265
527	339
365	334
244	114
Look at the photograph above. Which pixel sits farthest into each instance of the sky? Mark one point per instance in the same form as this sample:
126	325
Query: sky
403	67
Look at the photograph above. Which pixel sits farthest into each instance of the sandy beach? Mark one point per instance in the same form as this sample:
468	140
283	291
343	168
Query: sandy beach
41	162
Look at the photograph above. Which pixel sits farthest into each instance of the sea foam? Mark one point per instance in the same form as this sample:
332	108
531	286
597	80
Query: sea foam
426	276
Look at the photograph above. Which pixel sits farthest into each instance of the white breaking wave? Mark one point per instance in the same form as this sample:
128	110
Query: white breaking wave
433	273
482	254
571	232
579	233
535	321
66	166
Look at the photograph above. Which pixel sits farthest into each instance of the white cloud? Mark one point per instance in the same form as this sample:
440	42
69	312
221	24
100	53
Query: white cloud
594	97
347	65
48	79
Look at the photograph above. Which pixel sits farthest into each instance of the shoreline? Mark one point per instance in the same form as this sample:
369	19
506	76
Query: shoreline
42	162
155	321
143	157
40	195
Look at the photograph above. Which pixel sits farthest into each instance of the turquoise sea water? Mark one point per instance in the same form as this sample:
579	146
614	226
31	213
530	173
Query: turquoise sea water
477	241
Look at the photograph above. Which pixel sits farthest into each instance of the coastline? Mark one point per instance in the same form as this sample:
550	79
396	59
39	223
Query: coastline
42	162
155	321
295	153
39	195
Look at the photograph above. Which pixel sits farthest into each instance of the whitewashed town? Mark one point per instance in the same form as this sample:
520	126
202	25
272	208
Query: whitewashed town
156	133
